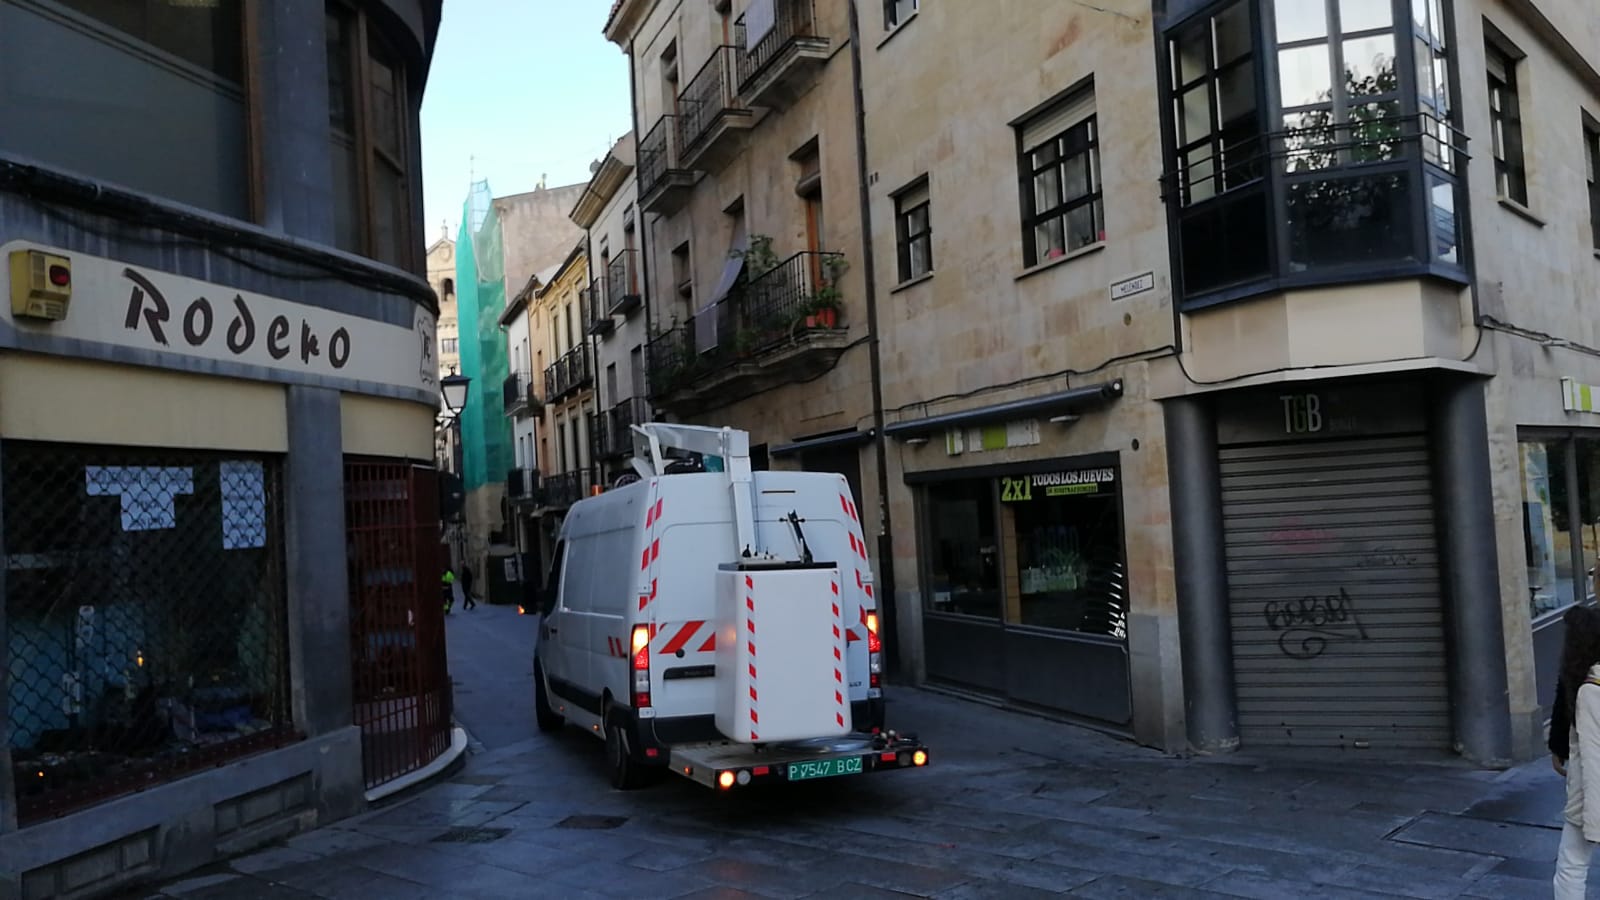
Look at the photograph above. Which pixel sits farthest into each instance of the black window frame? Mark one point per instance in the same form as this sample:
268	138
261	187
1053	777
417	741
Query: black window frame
891	13
1405	176
904	237
1082	138
1591	156
1508	142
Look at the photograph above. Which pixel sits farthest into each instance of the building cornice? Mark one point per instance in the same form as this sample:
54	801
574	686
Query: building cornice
607	180
625	19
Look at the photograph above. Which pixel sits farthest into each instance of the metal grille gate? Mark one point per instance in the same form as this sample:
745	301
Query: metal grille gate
1333	573
145	617
402	684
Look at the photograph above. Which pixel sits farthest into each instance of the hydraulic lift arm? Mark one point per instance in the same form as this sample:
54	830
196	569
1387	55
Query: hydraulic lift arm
730	446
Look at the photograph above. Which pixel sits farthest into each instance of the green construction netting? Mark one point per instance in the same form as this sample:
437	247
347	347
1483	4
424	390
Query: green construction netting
480	298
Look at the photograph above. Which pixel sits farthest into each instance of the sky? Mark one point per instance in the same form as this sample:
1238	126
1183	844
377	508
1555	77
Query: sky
518	89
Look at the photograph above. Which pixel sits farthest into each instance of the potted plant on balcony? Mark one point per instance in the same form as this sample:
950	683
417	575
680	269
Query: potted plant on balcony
823	310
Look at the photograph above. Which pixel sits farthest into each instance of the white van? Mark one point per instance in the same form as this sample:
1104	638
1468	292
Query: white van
648	632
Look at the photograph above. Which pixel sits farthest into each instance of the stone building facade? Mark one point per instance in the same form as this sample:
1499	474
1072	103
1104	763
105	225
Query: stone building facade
218	383
1235	386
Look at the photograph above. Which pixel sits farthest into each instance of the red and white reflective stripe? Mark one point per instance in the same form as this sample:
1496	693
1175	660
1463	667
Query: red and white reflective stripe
652	550
838	664
750	624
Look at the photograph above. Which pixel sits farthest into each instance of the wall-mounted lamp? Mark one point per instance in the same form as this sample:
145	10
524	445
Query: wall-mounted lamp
1065	420
916	441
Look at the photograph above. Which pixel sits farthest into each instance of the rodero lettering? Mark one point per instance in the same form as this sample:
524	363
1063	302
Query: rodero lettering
149	310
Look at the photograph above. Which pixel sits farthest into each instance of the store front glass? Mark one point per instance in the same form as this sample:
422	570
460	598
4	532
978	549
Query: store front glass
1560	537
1025	586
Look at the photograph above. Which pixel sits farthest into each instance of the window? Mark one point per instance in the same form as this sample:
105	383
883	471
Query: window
449	346
1060	168
370	131
1218	152
148	624
913	231
1065	551
896	12
612	393
1218	124
1591	161
636	370
682	272
148	94
963	556
1505	124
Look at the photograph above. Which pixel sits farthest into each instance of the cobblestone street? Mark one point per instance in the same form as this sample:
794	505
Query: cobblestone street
1012	806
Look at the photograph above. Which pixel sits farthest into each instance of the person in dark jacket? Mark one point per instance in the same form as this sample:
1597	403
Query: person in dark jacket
467	600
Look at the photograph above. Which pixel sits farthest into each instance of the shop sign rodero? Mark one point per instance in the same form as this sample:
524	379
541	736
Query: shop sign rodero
125	305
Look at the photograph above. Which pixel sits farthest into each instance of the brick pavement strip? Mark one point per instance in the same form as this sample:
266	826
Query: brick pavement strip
1013	806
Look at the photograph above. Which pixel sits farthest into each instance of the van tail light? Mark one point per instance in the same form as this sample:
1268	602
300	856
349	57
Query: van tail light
874	651
641	666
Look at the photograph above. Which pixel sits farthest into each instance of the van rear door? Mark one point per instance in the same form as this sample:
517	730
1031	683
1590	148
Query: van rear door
687	536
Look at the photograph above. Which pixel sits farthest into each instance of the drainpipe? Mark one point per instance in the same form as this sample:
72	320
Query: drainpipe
886	586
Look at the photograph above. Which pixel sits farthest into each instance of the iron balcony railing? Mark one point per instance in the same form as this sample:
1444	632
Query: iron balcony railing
597	316
622	284
568	374
658	154
567	488
796	20
514	392
709	94
771	304
619	421
522	484
1320	200
797	296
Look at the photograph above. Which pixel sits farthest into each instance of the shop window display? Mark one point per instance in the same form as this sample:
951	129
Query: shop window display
964	557
1067	552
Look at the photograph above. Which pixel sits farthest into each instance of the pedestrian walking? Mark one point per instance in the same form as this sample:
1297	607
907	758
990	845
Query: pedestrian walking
1577	716
468	601
447	584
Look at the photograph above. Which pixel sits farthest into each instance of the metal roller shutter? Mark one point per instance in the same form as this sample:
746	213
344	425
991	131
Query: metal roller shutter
1333	574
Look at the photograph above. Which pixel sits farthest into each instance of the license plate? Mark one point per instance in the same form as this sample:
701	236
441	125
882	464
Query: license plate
825	768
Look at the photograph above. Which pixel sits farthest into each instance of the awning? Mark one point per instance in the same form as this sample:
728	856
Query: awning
851	438
1079	398
705	318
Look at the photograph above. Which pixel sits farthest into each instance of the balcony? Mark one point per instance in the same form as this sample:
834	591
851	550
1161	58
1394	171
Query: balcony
779	68
619	422
515	393
711	121
561	491
622	285
568	375
778	327
597	318
664	182
522	487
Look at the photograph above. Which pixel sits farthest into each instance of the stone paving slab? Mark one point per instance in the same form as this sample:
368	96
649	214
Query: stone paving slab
1013	807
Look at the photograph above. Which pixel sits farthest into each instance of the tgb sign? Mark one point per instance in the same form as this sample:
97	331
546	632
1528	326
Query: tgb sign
125	305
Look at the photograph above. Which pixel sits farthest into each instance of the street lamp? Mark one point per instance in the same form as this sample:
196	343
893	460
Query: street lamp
454	388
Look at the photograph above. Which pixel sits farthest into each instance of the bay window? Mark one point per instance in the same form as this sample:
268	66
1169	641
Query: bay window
1341	166
371	136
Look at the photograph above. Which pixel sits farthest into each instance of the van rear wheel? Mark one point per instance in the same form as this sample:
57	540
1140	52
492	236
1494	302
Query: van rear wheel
544	716
626	775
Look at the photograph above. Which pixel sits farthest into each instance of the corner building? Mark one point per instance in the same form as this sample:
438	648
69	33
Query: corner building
1243	400
218	381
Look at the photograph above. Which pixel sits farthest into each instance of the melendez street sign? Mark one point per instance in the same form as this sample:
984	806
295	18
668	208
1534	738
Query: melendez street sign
133	306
